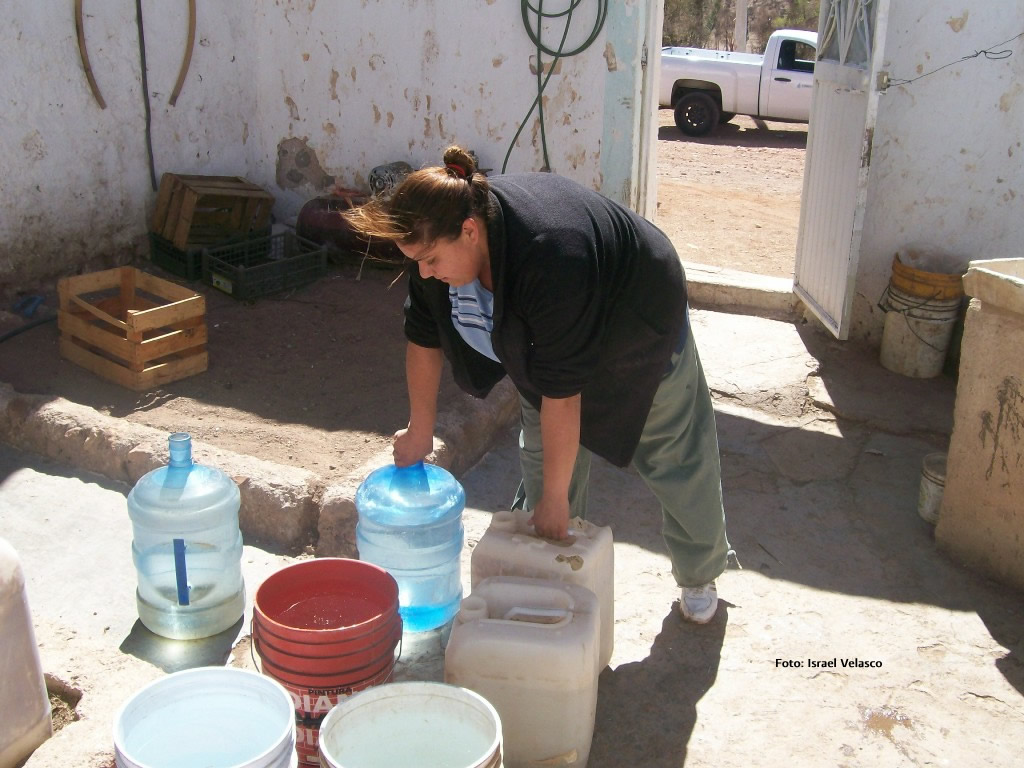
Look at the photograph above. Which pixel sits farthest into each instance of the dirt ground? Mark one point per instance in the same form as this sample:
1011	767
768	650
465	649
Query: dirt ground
312	379
732	199
315	378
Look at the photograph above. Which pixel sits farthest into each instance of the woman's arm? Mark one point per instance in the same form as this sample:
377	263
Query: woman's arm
423	378
560	438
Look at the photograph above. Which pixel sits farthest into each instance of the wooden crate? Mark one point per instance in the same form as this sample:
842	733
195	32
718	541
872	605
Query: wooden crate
200	210
132	328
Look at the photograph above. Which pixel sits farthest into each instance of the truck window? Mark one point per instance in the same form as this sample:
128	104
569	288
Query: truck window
796	56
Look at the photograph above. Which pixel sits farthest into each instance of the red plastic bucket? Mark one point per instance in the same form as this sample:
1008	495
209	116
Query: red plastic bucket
338	678
309	646
327	623
323	659
326	601
325	629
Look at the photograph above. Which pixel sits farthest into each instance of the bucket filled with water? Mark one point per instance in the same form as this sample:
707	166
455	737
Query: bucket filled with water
325	629
207	716
427	725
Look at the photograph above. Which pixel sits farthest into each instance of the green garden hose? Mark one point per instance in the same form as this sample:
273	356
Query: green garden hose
558	53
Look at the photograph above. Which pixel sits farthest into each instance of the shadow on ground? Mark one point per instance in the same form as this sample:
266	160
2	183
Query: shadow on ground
664	689
730	134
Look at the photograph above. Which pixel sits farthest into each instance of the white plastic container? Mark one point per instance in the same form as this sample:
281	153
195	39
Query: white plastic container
509	547
426	725
25	723
215	716
530	647
917	333
933	483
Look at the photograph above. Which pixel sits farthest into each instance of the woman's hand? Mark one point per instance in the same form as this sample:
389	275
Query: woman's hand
551	518
410	447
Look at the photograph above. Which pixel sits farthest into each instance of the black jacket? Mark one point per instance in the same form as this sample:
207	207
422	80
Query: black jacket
589	298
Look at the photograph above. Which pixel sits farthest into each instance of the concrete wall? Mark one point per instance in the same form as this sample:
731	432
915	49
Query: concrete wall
296	95
947	161
981	522
76	190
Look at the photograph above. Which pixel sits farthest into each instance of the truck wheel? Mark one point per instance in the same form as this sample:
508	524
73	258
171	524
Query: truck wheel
725	117
696	114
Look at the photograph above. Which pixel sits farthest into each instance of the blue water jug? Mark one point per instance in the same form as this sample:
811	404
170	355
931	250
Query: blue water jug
187	547
410	524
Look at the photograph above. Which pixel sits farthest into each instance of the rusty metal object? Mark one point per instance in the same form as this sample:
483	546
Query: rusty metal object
84	52
189	45
320	220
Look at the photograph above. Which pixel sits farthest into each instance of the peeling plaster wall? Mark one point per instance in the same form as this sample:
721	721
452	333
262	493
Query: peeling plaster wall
337	87
947	163
360	88
75	192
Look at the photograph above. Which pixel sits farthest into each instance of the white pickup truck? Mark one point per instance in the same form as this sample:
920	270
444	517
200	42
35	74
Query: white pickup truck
706	87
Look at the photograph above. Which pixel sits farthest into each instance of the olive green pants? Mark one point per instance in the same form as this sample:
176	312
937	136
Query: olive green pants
677	457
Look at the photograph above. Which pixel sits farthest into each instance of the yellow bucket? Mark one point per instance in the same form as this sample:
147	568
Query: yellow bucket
925	285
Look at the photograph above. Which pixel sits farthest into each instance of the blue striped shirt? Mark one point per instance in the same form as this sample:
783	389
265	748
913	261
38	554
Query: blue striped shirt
473	316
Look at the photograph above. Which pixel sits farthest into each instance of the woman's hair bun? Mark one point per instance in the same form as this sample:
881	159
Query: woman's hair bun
460	158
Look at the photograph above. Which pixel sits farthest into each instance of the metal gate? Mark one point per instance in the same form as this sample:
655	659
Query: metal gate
843	108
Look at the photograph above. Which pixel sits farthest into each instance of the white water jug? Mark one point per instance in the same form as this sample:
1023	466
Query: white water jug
530	647
510	547
187	547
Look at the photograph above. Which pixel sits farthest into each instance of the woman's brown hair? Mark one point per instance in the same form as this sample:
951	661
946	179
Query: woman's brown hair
429	204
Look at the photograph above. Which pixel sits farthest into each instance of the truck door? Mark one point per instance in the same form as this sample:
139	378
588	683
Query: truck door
788	80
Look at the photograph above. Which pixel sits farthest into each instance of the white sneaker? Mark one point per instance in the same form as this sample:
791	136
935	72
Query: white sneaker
698	604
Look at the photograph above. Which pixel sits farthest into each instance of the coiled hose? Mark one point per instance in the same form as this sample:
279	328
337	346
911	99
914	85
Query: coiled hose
557	53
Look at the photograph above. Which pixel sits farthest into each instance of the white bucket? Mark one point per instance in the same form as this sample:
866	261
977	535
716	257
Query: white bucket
917	333
426	725
933	483
210	716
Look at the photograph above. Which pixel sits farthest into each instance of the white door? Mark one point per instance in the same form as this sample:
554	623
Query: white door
788	80
851	35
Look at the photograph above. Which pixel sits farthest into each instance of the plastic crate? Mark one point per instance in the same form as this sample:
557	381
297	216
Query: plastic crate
188	263
264	265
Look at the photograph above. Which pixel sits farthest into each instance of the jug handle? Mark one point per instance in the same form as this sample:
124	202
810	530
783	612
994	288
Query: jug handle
568	541
549	616
411	478
519	504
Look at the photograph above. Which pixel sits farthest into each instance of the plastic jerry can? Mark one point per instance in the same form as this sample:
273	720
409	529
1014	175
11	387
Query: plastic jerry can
509	547
410	524
187	547
24	702
530	647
